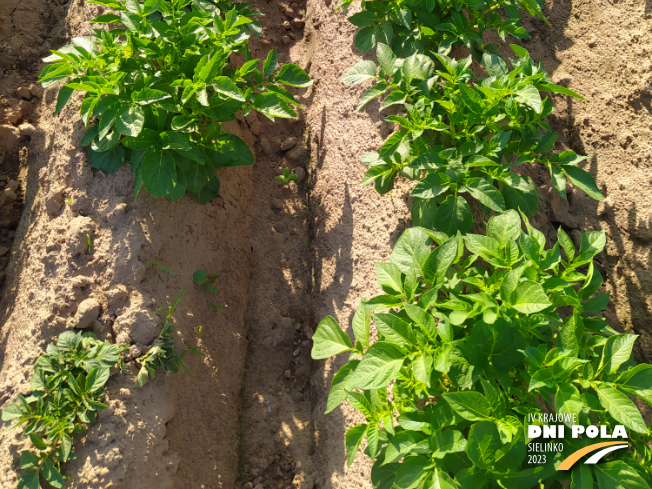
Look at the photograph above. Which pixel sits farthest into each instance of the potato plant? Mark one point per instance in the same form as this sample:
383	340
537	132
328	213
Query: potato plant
460	136
477	332
414	26
163	355
471	340
67	392
68	385
159	82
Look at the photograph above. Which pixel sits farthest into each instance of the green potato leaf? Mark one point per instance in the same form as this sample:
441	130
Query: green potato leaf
362	71
620	407
159	172
378	367
130	120
329	339
471	405
293	76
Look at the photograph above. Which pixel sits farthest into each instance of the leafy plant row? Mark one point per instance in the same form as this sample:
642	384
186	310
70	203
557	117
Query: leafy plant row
477	332
460	139
68	388
159	82
471	340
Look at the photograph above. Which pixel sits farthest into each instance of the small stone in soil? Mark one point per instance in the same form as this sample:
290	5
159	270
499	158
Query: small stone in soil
8	197
289	143
26	129
81	281
267	147
296	155
120	209
8	136
24	92
14	115
301	174
36	90
25	107
54	201
87	312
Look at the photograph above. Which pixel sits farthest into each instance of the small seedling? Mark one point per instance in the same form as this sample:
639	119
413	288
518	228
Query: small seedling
163	353
202	277
89	244
286	177
161	267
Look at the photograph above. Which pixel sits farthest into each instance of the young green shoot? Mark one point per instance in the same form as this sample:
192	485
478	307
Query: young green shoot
161	267
286	177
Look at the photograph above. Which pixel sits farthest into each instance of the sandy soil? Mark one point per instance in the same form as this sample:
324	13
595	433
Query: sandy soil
175	432
353	226
602	50
252	417
24	39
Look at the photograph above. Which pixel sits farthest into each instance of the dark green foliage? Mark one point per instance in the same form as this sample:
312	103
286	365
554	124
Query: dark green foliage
460	136
471	339
161	83
68	386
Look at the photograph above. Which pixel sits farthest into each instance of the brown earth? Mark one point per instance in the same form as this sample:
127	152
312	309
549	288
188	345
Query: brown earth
176	432
22	44
353	227
286	256
603	51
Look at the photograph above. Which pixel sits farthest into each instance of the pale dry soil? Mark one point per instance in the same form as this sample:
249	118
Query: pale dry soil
287	256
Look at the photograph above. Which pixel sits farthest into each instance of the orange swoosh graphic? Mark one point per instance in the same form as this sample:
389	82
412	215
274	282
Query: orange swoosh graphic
574	457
